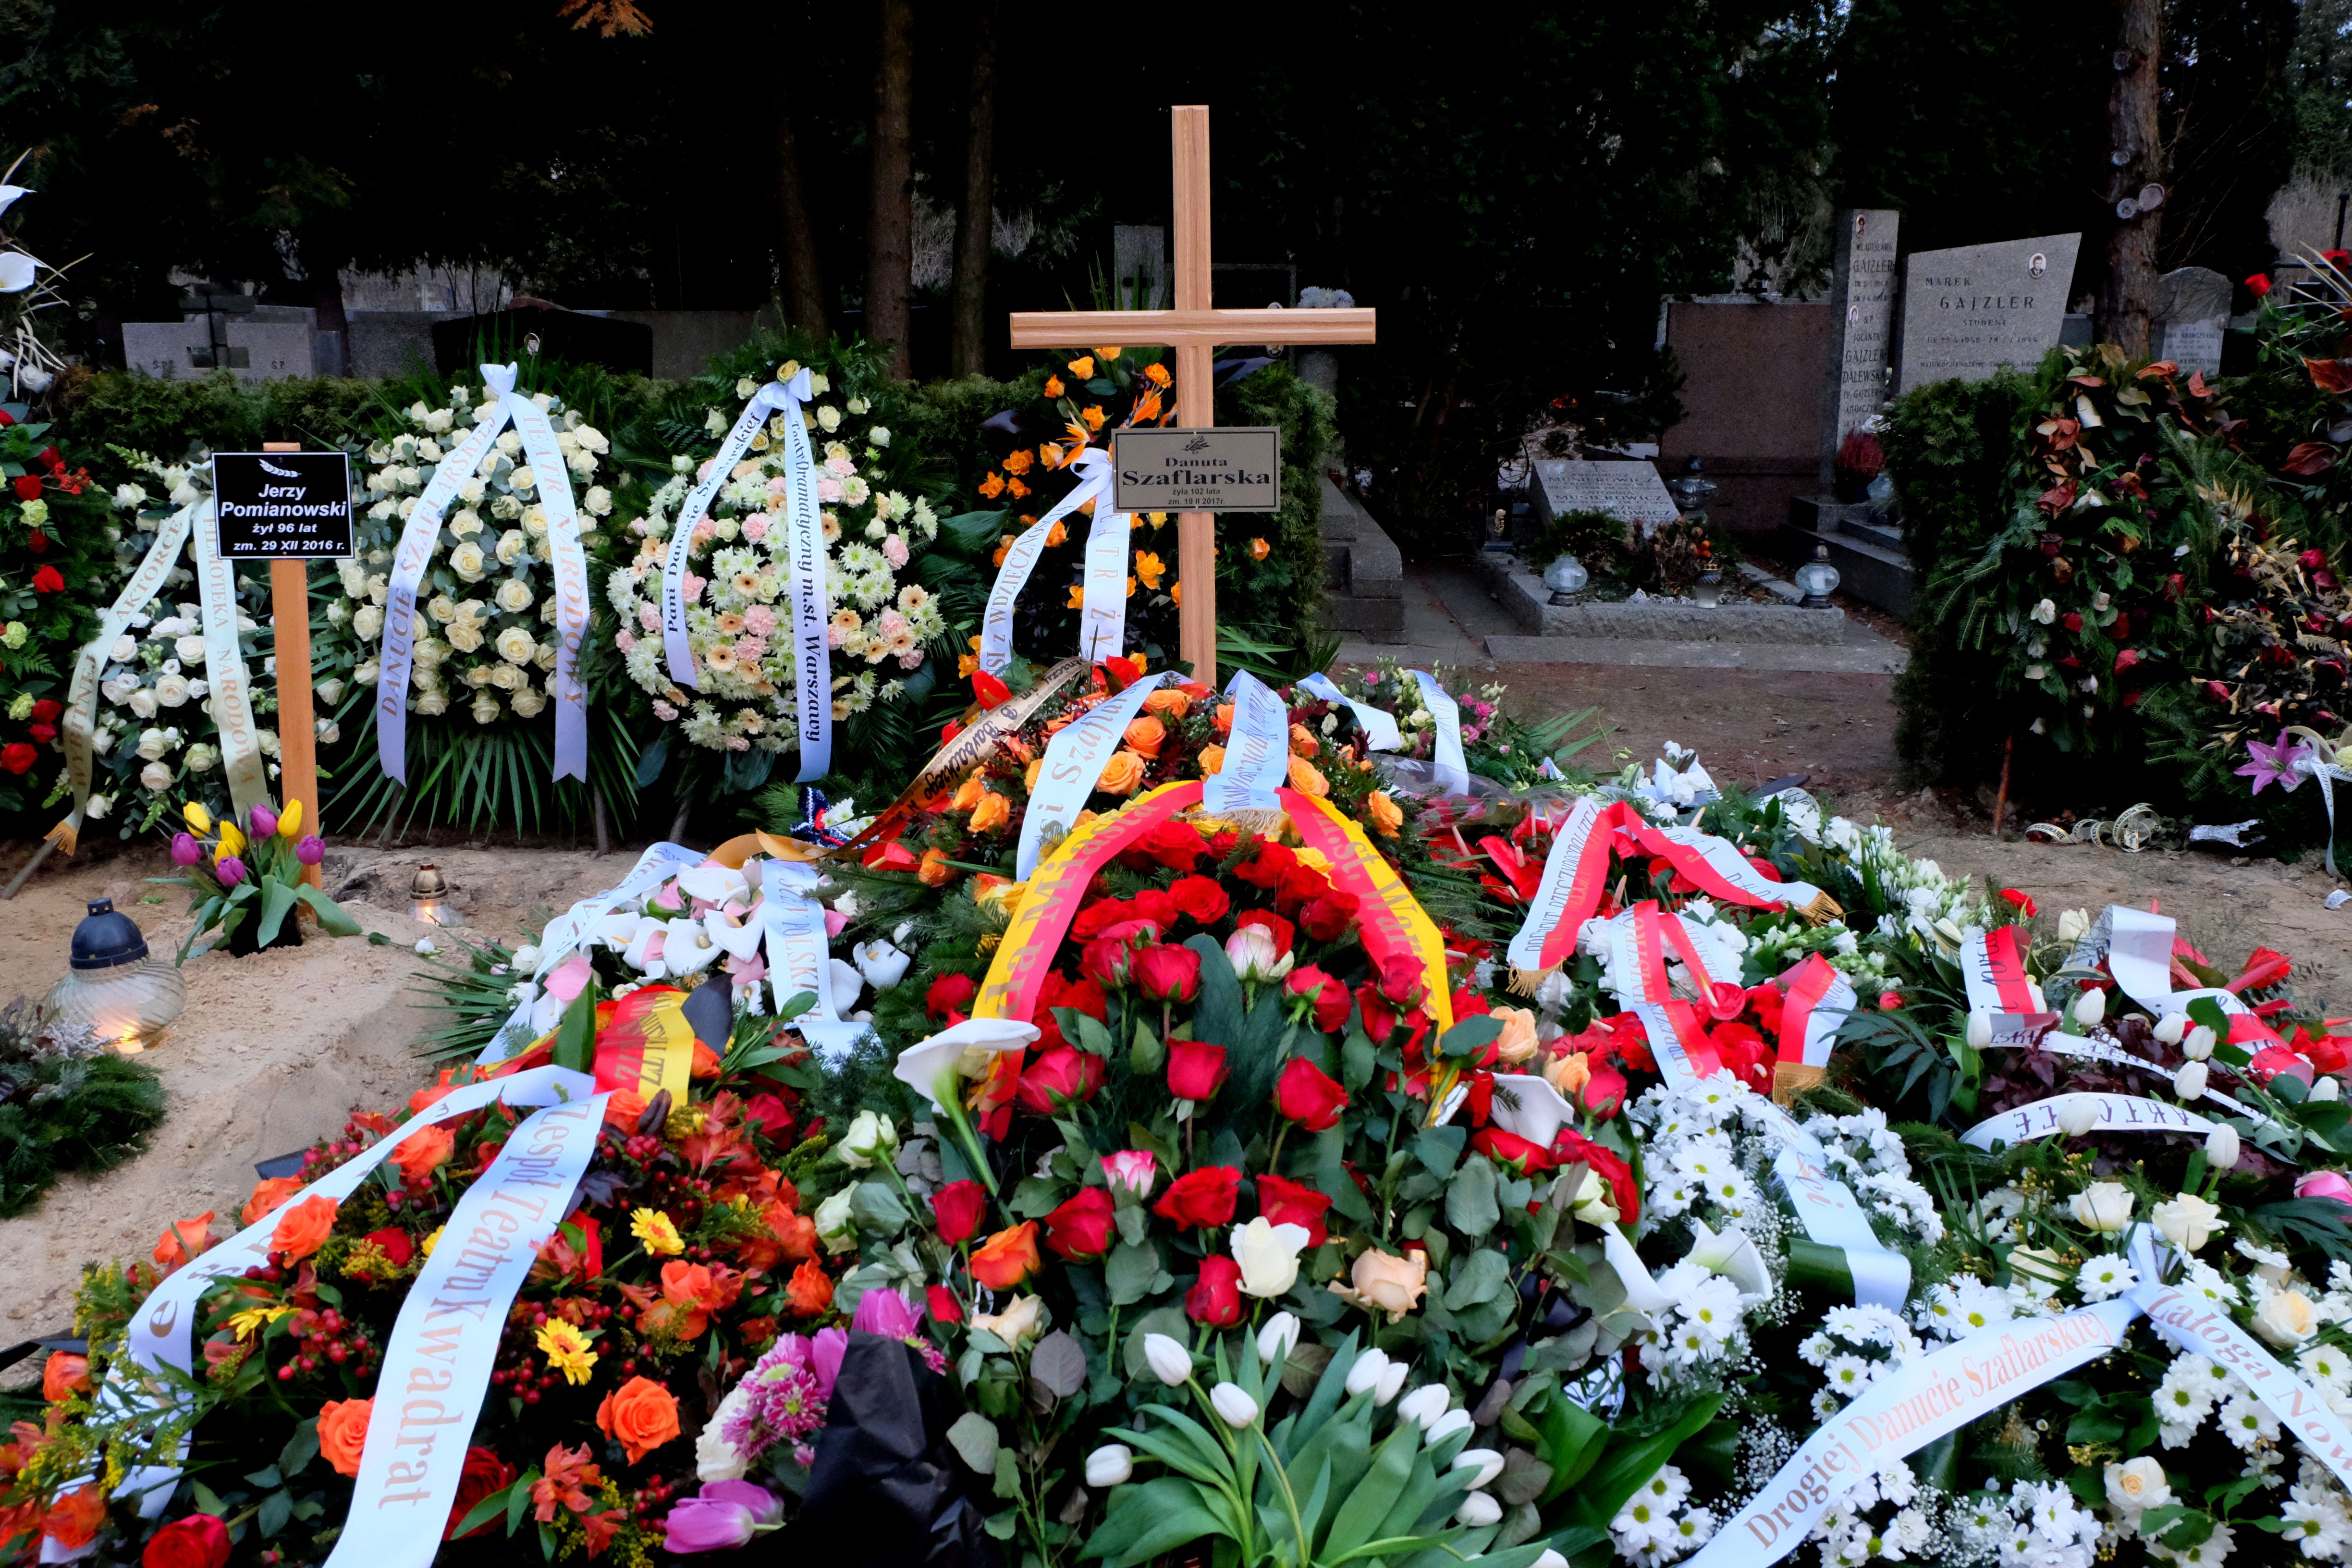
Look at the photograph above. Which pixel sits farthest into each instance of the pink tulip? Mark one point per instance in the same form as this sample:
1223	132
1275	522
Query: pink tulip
185	850
2324	1184
728	1515
229	870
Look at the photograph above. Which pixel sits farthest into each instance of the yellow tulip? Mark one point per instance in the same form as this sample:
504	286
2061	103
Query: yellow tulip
199	819
291	823
232	842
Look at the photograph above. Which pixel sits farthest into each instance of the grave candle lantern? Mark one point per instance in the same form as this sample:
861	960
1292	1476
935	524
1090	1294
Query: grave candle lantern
1566	577
1818	579
428	893
115	987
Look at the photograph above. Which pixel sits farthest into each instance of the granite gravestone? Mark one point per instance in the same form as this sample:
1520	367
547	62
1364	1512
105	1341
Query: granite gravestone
2192	313
1971	311
1630	490
1862	300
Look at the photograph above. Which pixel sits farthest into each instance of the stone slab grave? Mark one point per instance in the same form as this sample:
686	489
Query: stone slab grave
270	350
1362	568
1629	489
1970	310
2192	313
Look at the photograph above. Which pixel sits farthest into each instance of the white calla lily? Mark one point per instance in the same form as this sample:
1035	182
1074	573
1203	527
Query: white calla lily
1528	1105
925	1068
713	883
690	948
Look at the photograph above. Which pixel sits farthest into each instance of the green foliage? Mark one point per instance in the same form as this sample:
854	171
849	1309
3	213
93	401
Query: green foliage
52	545
1280	598
167	417
64	1106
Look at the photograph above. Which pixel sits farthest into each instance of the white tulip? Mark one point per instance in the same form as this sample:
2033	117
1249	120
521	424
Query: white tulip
2090	1007
1109	1465
2170	1027
2325	1088
2222	1148
2079	1117
1550	1559
1979	1031
1268	1255
1447	1425
2200	1043
1365	1375
1424	1405
1171	1362
870	1138
2189	1083
1237	1408
1392	1382
2073	924
1478	1511
1279	1338
1488	1462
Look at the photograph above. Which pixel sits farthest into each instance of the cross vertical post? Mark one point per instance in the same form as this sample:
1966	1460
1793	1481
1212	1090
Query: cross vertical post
298	734
1196	392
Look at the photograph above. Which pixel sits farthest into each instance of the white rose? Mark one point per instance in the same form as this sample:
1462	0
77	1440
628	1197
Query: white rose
2135	1487
598	501
2103	1206
1268	1255
172	691
268	741
506	677
123	650
511	545
2286	1319
2188	1221
834	1223
201	759
467	523
467	561
870	1138
143	702
528	703
878	435
155	777
367	623
367	673
442	608
154	744
515	646
828	418
465	636
486	708
329	732
432	703
99	805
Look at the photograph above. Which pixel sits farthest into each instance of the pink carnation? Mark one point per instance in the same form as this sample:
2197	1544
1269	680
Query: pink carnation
841	466
755	527
691	585
749	652
662	711
828	490
760	620
892	623
650	617
777	486
624	640
705	532
912	659
894	550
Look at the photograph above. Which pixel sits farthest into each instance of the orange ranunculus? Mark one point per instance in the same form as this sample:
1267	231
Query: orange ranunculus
990	814
993	486
1303	740
1212	760
1053	388
935	871
1224	718
182	1241
342	1433
1157	374
1259	549
640	1415
1169	702
422	1153
1017	488
1383	813
1008	1258
1018	462
1093	414
810	1290
1121	774
267	1195
63	1376
304	1228
1109	353
1306	779
967	794
1176	594
1077	596
1145	735
73	1520
622	1111
1083	367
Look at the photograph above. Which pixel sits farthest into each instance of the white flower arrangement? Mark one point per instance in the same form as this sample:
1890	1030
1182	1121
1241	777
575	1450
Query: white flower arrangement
486	642
739	613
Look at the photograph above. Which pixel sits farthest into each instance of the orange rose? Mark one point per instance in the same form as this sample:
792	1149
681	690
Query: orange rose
991	813
706	1061
304	1228
935	871
73	1520
1145	735
425	1099
1383	813
182	1241
63	1376
1224	718
967	794
1212	760
1303	740
342	1433
1121	774
422	1153
1007	1257
1259	549
267	1195
810	1288
1168	702
640	1415
1306	779
622	1111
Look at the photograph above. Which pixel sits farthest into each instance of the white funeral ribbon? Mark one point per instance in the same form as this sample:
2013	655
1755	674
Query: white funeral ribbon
561	937
1073	762
2140	955
1258	753
80	719
1452	773
161	1333
1380	732
1102	617
776	396
2316	759
437	1366
552	487
799	960
1094	471
225	675
2013	1004
1834	1216
2118	1113
1724	859
1558	888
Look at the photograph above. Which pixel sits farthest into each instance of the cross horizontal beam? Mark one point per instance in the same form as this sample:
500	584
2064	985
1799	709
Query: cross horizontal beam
1180	328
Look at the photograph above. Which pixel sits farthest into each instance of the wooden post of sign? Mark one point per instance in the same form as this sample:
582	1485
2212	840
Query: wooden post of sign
1193	329
298	731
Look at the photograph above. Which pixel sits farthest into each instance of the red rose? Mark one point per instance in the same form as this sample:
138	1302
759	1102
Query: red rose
1603	1091
28	486
1060	1079
1379	1018
1574	1148
484	1473
956	1208
2023	902
1890	1001
950	993
1079	996
2258	285
1168	973
2072	621
1308	1095
1201	1197
1264	869
46	709
1080	1230
396	1244
1402	980
1158	906
1330	998
1108	960
1201	898
1216	1297
1300	884
769	1113
945	1308
1173	844
1280	929
1520	1154
1327	918
1196	1069
1097	917
1285	1202
48	579
201	1540
16	756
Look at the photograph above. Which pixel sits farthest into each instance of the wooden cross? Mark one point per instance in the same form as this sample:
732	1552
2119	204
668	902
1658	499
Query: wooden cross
1193	329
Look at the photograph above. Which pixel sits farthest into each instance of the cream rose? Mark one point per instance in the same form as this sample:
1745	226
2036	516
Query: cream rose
367	623
467	561
155	777
172	691
2189	1222
528	703
442	608
2286	1319
2103	1206
433	702
2135	1487
511	545
1518	1041
1382	1283
514	596
515	646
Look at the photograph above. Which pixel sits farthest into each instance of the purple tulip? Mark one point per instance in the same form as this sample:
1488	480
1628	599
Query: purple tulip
264	820
229	870
311	850
185	850
727	1515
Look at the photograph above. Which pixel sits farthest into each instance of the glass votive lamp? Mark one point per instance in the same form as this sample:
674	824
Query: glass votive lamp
115	987
1566	577
1819	580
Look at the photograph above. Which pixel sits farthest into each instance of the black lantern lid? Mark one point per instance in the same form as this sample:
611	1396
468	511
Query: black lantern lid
107	938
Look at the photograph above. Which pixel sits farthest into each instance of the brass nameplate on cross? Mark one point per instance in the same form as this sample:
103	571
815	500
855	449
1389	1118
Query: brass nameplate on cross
1226	467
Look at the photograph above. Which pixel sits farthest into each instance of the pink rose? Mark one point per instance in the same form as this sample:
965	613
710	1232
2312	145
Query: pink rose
2324	1184
1134	1169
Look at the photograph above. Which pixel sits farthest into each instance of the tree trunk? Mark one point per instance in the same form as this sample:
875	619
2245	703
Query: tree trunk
890	226
975	220
804	304
327	295
2128	294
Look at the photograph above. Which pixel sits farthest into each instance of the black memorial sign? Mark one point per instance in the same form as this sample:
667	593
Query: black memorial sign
283	506
1231	468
